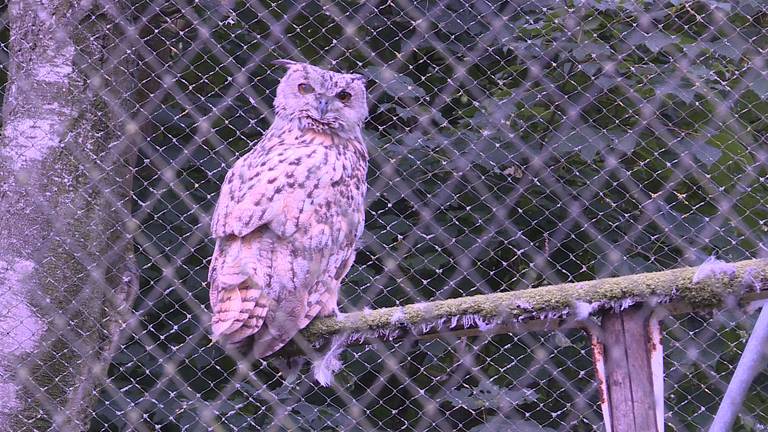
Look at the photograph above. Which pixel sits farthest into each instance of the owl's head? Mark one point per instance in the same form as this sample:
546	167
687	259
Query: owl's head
319	99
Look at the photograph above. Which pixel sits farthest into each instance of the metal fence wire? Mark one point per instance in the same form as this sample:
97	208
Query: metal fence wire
512	144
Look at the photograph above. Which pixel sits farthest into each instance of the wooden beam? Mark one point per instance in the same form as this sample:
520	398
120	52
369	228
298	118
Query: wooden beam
627	345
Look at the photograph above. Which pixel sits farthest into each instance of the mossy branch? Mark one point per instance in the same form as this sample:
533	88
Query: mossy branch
742	280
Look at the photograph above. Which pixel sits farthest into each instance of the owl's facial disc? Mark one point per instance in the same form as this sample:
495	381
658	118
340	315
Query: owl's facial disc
321	109
322	100
316	107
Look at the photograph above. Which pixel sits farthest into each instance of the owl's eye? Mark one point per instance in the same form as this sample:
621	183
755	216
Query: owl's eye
343	96
306	89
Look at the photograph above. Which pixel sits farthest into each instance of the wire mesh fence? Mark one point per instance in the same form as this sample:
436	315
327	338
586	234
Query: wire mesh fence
512	145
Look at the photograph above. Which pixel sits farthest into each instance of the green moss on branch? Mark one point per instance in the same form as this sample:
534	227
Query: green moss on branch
558	301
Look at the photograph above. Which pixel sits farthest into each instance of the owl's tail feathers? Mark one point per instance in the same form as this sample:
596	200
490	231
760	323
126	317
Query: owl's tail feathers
239	314
229	266
238	302
228	312
282	324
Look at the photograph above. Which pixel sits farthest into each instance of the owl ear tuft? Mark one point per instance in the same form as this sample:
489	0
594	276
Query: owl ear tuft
284	62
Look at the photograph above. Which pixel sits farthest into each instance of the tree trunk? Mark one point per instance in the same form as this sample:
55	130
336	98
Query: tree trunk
66	263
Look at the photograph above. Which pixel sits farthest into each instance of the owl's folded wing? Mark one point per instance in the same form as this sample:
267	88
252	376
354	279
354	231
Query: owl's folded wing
271	190
246	200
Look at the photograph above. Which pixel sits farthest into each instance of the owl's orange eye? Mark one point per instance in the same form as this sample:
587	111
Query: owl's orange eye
306	89
343	96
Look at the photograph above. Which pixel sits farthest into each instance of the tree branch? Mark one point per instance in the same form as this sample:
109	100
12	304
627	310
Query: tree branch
679	289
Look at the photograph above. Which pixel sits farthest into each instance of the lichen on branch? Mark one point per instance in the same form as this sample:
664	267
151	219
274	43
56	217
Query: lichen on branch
554	302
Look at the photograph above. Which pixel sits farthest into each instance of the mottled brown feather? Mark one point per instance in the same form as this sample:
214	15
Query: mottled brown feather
289	214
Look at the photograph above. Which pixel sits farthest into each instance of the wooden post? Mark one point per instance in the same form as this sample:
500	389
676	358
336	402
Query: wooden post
624	363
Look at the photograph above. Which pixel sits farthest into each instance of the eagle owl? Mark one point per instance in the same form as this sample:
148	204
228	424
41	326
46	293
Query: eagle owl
290	212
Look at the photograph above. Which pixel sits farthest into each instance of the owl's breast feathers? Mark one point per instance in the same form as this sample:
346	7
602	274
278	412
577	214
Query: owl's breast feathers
285	225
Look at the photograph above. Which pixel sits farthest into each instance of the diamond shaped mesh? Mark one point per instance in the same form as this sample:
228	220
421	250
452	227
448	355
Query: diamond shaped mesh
513	144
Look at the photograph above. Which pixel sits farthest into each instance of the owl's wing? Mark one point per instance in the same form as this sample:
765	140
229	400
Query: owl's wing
237	299
295	272
261	204
247	198
268	188
308	282
315	294
238	274
322	299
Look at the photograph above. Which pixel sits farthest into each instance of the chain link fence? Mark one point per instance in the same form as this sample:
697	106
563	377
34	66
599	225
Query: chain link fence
513	144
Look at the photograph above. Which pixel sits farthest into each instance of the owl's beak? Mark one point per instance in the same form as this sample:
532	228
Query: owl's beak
323	103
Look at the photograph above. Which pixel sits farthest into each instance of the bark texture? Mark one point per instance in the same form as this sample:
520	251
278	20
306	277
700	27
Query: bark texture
66	264
495	313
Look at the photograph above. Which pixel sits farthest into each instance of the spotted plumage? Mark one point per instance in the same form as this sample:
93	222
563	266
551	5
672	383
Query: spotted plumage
289	213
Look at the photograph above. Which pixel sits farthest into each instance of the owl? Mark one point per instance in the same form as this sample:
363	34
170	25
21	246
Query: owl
290	212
